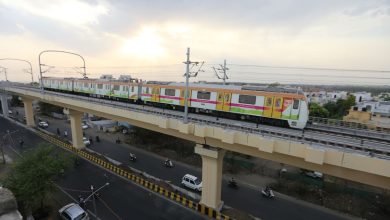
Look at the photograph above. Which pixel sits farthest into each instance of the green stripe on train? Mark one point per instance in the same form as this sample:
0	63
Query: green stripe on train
166	101
245	111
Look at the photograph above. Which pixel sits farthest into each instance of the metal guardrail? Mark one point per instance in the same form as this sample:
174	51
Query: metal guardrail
346	124
283	133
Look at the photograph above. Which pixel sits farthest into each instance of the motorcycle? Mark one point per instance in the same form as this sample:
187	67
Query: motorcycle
268	193
233	184
133	157
168	163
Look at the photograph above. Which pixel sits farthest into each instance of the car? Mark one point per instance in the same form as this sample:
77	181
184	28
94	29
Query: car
192	182
9	112
86	141
84	126
314	174
73	211
43	124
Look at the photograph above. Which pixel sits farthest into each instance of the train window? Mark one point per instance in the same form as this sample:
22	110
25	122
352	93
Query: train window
247	99
147	89
126	88
116	87
203	95
278	102
269	101
85	84
132	89
100	86
296	104
170	92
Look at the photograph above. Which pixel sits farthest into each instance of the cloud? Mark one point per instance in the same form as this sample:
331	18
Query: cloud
74	12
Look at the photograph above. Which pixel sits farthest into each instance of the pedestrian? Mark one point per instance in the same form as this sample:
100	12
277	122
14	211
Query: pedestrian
65	134
58	132
21	142
90	140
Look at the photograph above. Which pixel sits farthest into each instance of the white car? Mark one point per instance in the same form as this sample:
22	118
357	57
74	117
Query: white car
314	174
86	141
73	211
192	182
84	126
43	124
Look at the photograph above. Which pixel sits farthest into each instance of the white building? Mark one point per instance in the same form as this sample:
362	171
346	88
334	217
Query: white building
360	97
323	97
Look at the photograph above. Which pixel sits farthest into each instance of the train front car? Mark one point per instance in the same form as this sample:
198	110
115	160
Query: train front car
275	106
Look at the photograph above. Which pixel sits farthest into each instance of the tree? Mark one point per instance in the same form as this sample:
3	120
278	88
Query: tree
340	108
318	111
275	84
31	177
15	101
47	108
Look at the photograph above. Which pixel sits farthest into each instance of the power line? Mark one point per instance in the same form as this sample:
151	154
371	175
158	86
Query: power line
310	68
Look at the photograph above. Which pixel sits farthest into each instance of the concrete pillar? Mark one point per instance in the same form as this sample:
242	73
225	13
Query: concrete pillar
212	159
75	125
29	112
4	104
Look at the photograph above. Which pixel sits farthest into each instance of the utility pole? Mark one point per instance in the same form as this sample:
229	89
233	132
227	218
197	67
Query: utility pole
222	70
93	192
5	73
188	75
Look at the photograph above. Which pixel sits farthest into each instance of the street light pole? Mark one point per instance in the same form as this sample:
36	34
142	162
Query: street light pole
2	145
93	194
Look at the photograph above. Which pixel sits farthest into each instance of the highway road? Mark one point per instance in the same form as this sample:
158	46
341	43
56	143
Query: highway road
245	198
120	200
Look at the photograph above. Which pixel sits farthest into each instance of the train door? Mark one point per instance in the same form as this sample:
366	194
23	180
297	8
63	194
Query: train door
295	109
155	94
268	104
287	106
277	107
226	102
220	98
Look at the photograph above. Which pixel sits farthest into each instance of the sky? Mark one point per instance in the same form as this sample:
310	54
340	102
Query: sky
263	41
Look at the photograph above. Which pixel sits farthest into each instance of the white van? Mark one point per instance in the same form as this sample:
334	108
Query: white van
192	182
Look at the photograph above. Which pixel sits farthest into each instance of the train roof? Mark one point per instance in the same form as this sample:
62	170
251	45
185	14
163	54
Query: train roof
273	89
204	85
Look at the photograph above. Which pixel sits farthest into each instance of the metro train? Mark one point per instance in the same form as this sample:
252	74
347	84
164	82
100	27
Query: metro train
276	106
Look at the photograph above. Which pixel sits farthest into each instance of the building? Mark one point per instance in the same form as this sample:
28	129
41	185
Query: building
375	115
360	97
322	97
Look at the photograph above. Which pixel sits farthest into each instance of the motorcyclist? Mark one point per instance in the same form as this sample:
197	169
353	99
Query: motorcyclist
132	156
232	182
168	162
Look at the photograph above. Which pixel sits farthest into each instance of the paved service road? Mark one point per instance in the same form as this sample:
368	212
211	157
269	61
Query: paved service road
120	200
245	198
